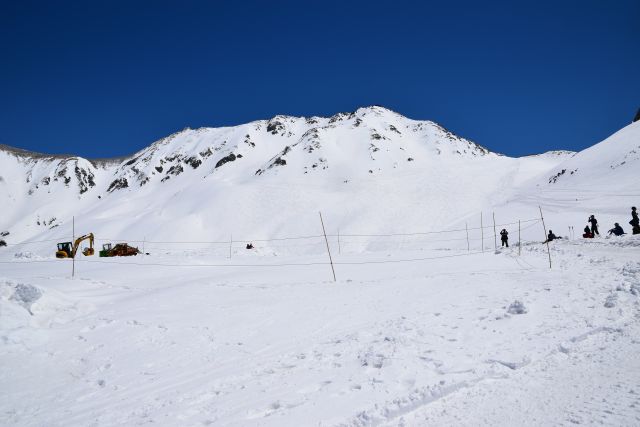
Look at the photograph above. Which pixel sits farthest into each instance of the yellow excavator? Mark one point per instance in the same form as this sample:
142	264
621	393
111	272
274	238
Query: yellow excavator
68	250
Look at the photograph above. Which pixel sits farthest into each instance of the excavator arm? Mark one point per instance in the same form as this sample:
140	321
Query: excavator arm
88	251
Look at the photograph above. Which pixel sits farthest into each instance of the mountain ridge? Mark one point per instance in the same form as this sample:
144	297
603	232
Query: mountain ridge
368	170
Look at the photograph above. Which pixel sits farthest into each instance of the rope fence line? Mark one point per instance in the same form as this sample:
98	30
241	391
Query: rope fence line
350	240
241	244
38	241
152	264
341	235
433	232
288	264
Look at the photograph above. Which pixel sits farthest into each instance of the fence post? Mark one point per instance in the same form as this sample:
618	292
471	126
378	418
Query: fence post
466	227
519	240
545	236
495	236
73	242
328	250
481	232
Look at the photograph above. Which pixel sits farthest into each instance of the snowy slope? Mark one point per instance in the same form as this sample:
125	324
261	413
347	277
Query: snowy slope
613	162
364	170
603	180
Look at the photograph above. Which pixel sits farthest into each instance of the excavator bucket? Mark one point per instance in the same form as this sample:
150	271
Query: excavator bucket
88	251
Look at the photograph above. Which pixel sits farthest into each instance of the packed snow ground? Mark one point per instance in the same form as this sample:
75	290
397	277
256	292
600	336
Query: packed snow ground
480	338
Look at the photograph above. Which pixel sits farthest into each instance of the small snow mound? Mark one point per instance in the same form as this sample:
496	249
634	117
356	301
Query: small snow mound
517	307
25	254
610	302
26	295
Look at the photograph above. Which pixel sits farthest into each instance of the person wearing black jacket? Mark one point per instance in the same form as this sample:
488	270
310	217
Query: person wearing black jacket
635	223
594	225
504	237
551	237
617	230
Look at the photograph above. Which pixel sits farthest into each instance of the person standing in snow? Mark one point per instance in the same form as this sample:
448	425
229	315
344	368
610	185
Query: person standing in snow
594	225
587	233
635	223
617	230
504	237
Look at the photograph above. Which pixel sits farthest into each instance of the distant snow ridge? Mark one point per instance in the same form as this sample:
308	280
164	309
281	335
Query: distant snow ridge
365	169
306	144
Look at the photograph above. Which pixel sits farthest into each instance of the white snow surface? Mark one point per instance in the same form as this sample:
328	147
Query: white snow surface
423	326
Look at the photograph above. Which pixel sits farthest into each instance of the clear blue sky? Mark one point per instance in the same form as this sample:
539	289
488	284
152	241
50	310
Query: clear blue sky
102	79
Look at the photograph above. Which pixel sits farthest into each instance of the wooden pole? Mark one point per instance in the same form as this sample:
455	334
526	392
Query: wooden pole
339	242
328	250
467	228
143	241
519	240
545	236
482	232
73	242
495	236
230	244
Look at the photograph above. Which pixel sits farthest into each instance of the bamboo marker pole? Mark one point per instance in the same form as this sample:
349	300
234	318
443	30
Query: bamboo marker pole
328	250
73	239
495	236
481	232
519	240
545	236
466	227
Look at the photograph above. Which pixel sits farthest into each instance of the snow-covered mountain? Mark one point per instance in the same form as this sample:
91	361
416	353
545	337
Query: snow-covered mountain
365	170
264	146
407	330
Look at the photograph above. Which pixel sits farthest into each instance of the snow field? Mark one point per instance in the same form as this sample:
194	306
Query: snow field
131	344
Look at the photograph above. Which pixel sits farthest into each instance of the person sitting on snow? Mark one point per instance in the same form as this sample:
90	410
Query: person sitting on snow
249	245
587	233
504	237
551	237
617	230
